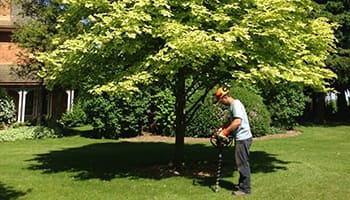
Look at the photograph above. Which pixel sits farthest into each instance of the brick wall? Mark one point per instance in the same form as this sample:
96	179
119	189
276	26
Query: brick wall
8	50
5	10
8	53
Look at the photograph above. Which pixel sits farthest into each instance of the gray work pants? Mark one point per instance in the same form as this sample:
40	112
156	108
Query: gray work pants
242	162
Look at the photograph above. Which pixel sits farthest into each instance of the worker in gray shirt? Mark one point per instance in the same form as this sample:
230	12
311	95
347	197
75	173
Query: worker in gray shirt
240	128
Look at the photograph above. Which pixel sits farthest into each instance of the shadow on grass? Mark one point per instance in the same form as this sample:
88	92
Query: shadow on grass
134	160
260	162
7	193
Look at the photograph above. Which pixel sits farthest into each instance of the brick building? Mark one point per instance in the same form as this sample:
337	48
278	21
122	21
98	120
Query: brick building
31	99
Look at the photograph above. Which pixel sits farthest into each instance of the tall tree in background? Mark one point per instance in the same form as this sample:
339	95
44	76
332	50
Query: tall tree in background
36	26
112	46
339	11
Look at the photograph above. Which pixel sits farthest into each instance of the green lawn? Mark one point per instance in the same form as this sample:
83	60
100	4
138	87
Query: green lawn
313	165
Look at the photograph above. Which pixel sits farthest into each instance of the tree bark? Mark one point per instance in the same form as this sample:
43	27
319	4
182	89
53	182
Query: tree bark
319	107
180	104
343	111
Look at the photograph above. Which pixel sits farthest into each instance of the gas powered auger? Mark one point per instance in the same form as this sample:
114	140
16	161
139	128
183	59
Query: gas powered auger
217	142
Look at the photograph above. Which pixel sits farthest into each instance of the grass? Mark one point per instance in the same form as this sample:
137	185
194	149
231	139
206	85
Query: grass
313	165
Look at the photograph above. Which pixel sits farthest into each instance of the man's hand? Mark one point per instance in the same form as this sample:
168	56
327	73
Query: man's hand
222	135
220	138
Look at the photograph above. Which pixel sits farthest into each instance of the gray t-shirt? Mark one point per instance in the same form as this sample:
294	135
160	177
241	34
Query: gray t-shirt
242	132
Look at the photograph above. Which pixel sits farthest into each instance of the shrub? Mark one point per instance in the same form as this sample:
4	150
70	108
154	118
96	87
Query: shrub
134	114
209	117
163	110
27	132
206	119
285	103
258	114
114	117
104	115
7	109
77	117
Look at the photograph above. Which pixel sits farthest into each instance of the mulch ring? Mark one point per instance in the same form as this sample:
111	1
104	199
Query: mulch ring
148	137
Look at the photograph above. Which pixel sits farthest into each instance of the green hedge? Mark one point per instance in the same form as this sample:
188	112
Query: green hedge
76	117
258	114
163	112
209	117
285	103
114	117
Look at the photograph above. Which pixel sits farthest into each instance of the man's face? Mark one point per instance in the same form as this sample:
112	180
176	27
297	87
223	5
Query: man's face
224	100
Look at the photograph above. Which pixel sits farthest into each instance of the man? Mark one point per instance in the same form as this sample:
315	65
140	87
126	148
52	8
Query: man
239	127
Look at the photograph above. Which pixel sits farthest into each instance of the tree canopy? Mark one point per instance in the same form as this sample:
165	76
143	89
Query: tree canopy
113	44
339	11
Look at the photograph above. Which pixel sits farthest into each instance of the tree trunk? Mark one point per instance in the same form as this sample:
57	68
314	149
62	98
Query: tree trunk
180	118
342	106
319	107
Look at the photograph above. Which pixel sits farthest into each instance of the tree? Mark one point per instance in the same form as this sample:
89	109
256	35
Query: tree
112	46
36	26
339	62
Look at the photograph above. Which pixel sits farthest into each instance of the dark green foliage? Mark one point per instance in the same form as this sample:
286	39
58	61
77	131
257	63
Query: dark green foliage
163	109
36	30
134	114
114	117
77	117
207	118
210	116
338	11
7	109
104	115
258	114
285	103
331	110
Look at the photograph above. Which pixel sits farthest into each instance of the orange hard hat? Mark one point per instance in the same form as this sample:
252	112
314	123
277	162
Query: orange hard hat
221	92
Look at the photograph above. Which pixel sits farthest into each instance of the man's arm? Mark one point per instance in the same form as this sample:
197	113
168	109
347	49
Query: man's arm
236	122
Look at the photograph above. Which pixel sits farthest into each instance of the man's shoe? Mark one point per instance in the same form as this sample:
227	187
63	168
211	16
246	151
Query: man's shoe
236	188
240	193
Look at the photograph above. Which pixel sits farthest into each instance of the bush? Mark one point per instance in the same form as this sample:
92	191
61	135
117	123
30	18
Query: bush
7	109
26	133
77	117
258	114
285	103
209	117
134	114
103	114
163	111
114	117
